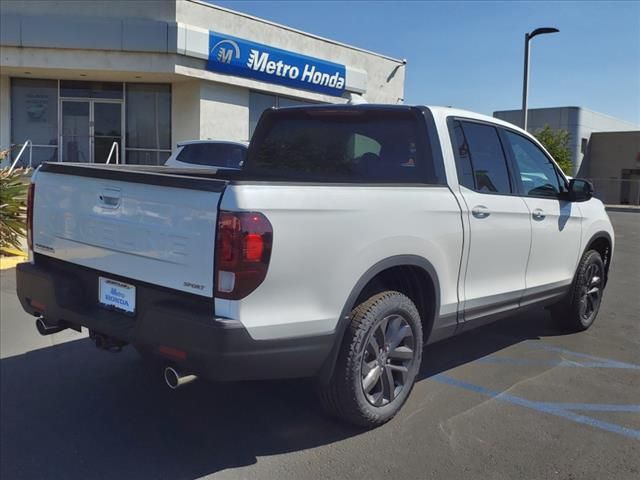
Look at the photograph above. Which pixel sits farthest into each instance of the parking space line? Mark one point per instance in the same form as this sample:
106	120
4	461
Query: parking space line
556	363
550	408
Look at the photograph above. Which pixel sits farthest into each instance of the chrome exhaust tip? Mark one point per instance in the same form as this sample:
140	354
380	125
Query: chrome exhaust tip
45	328
174	379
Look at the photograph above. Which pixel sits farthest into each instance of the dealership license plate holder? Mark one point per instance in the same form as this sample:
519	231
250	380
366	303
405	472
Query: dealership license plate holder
116	295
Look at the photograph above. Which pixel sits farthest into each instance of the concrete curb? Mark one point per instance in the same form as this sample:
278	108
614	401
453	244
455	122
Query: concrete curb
10	262
622	208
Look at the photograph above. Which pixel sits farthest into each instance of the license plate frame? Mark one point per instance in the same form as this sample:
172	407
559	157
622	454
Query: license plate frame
117	295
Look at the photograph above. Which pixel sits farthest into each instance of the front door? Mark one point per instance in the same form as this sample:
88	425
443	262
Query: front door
89	130
555	222
499	227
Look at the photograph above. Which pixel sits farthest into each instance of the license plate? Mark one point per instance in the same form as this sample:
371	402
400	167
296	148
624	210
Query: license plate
118	295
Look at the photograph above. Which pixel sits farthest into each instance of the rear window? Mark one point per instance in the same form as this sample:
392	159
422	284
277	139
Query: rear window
342	145
213	154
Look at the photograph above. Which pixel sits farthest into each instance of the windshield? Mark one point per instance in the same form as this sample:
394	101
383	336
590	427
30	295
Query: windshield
227	155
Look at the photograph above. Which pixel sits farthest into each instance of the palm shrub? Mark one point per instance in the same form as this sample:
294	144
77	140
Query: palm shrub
13	207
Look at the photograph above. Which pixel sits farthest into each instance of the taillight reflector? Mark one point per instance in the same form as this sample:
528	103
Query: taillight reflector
243	251
172	352
30	205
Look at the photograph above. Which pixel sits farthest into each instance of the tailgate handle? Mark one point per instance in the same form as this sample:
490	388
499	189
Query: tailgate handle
110	197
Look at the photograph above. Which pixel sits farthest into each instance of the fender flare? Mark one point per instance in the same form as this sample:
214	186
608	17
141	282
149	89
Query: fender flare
396	261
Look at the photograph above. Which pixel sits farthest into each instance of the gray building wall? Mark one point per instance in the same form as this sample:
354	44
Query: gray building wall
613	165
579	122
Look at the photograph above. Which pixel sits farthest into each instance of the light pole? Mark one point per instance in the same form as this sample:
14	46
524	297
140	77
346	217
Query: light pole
525	82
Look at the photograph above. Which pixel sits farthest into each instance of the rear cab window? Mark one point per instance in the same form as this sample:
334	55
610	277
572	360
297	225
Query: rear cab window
335	145
213	154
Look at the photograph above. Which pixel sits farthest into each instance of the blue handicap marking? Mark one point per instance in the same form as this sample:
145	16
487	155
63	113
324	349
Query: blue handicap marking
605	362
560	409
594	362
564	410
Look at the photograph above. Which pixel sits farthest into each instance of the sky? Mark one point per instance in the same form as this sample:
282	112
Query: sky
469	54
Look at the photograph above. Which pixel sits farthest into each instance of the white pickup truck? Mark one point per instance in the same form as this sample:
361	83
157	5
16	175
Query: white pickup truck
354	236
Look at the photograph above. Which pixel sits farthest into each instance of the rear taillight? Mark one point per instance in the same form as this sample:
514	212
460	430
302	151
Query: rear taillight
243	250
30	205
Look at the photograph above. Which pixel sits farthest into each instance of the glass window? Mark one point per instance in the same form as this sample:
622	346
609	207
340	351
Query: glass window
258	103
148	125
38	155
213	154
538	175
375	146
86	89
34	112
290	102
147	157
363	144
463	159
482	145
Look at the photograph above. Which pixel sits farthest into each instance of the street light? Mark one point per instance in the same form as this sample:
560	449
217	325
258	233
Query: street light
525	83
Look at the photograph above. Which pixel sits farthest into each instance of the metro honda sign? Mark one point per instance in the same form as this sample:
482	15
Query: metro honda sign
244	58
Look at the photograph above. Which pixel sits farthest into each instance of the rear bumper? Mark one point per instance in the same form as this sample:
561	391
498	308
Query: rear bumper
217	349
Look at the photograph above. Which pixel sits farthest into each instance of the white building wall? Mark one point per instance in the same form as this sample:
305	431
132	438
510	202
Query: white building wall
224	112
139	41
385	75
185	111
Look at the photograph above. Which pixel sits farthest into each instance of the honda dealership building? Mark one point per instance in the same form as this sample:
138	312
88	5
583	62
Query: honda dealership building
78	76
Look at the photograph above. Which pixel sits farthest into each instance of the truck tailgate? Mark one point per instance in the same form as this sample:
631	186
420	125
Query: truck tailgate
147	226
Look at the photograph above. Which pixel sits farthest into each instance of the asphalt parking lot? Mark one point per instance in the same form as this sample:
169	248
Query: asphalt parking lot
516	399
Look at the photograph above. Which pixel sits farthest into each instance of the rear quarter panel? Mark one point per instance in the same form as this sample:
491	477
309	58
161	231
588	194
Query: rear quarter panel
324	240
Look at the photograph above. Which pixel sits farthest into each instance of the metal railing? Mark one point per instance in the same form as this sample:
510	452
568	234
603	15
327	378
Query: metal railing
617	191
28	143
114	148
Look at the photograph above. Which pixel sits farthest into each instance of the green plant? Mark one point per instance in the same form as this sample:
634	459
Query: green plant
13	208
557	144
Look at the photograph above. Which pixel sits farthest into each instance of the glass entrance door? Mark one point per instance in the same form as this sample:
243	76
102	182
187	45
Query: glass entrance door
107	128
89	129
75	140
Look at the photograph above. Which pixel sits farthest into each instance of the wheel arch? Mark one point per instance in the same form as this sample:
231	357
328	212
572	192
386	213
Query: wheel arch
603	244
382	275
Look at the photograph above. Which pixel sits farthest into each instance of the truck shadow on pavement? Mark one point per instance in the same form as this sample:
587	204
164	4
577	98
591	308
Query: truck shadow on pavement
72	412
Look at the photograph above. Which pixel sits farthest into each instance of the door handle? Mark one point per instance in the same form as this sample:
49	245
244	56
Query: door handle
538	214
480	211
110	197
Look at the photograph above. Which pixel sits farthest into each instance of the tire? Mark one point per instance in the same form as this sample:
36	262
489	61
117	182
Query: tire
578	312
369	385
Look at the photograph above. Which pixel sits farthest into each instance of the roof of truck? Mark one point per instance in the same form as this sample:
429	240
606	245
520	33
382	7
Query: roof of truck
437	111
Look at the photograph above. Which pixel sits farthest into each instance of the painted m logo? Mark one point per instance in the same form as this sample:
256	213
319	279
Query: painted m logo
225	55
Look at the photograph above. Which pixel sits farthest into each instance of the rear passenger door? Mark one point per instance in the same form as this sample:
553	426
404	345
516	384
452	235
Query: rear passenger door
499	226
555	222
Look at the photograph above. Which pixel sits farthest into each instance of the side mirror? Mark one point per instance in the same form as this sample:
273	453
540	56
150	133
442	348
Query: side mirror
580	190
